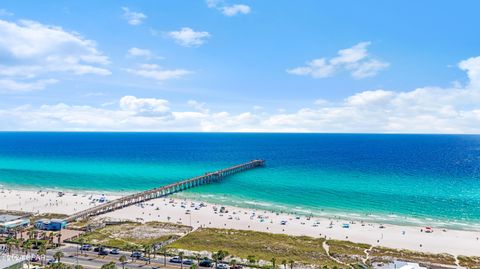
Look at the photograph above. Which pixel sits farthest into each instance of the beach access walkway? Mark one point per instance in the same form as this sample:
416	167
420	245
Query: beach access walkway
143	196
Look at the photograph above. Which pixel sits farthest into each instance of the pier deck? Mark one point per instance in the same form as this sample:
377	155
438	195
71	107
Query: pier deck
143	196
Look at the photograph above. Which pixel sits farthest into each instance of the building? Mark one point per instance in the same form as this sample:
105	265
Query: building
12	222
50	225
12	262
397	264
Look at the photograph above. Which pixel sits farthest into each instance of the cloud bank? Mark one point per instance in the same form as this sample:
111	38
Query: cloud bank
422	110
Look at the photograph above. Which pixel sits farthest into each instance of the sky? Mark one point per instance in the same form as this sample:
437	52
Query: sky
240	66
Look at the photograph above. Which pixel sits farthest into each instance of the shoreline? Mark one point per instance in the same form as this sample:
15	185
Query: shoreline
375	218
196	213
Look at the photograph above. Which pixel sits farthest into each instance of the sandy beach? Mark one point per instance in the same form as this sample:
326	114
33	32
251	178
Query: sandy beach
201	214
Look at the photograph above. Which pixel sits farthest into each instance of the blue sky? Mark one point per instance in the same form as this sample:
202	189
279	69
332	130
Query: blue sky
287	66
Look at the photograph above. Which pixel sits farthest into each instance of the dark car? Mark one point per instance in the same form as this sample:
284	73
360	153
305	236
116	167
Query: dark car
175	260
103	252
35	259
136	255
205	263
97	249
187	262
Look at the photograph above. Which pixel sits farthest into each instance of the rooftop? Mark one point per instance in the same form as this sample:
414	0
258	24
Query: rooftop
7	217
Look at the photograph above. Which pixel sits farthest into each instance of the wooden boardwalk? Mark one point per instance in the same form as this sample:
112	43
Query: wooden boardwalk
164	191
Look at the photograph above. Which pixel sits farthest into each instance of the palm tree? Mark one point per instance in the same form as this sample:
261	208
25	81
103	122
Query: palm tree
233	263
147	249
11	243
219	256
31	234
292	262
194	266
198	257
123	261
58	255
273	260
78	266
284	262
81	242
42	251
59	238
164	252
26	246
180	254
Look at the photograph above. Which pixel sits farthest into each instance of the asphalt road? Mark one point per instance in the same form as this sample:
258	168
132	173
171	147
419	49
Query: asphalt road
91	259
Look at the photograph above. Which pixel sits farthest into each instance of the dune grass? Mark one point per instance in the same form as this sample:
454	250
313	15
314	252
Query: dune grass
264	246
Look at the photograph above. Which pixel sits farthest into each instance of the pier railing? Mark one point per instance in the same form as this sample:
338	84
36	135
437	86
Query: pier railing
143	196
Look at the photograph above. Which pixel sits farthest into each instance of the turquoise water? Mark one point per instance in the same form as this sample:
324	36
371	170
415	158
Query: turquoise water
391	178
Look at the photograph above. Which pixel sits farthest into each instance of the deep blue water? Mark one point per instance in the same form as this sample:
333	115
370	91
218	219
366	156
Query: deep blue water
398	178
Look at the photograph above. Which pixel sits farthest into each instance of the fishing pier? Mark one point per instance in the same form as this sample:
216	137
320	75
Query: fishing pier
144	196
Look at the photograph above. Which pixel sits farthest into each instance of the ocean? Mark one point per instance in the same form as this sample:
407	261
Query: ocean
408	179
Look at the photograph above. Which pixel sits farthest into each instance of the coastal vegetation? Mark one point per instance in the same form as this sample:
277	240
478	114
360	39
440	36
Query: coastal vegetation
253	246
469	262
129	235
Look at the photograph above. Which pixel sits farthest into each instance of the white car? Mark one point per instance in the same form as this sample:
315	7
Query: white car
222	266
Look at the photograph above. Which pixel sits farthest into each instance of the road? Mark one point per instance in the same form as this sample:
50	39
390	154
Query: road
90	259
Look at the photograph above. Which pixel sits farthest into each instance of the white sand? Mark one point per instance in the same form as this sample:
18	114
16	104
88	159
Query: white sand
455	242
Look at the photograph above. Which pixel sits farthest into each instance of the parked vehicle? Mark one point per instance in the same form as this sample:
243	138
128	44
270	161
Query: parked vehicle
115	251
187	262
205	263
222	266
175	259
103	252
136	255
86	247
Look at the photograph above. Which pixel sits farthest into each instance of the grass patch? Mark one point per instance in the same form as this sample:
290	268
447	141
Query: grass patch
346	251
264	246
129	234
382	253
469	262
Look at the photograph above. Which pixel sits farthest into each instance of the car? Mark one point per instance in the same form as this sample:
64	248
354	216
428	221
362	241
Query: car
205	263
52	261
97	249
187	262
35	259
103	252
136	255
115	251
175	259
86	247
222	266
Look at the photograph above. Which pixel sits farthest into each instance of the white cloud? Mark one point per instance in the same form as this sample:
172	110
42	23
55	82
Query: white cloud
187	37
142	53
12	85
144	105
355	60
30	50
154	71
422	110
133	18
235	9
228	10
472	66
